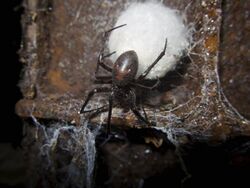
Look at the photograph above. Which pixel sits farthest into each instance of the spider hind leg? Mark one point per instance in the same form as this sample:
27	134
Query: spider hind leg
91	94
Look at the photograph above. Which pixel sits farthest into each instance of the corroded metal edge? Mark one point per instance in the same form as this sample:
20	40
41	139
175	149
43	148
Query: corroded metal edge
207	114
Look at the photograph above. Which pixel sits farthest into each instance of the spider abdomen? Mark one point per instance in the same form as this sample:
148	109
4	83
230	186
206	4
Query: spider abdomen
125	68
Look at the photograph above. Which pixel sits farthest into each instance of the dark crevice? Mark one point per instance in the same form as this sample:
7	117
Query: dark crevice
11	71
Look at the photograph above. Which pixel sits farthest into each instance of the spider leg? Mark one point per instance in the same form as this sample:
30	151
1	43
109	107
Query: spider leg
103	80
144	112
98	111
136	111
90	95
145	73
101	63
101	56
140	117
106	33
149	87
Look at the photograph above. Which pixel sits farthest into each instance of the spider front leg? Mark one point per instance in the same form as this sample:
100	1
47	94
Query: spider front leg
101	63
145	73
90	95
101	56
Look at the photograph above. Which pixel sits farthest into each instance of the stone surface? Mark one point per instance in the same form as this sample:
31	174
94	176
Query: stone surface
235	55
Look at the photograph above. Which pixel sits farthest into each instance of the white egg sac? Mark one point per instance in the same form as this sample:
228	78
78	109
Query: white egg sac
148	25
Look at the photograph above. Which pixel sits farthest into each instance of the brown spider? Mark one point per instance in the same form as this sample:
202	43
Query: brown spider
123	81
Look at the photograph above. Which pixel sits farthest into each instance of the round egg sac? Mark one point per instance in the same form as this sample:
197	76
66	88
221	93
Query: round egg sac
148	25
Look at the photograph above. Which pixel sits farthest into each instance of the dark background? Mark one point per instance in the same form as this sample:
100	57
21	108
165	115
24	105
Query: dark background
11	123
12	164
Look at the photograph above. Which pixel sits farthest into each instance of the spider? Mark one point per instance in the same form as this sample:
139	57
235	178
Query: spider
123	81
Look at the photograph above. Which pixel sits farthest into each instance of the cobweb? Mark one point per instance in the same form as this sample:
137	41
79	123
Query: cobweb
75	145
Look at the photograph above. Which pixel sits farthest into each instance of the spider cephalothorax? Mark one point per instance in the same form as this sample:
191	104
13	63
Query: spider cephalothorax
123	81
